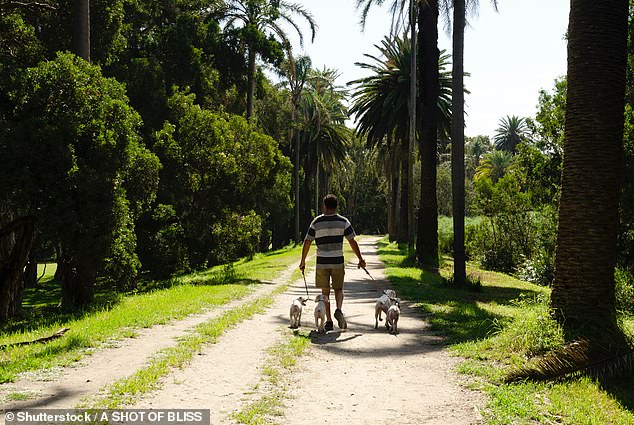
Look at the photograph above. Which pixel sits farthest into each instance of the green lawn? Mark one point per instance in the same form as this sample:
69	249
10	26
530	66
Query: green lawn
499	328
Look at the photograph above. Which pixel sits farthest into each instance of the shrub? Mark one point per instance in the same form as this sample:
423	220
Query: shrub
624	288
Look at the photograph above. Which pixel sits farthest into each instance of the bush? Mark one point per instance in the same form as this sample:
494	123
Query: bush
624	288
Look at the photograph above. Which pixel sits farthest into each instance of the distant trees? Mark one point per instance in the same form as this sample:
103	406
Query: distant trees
510	133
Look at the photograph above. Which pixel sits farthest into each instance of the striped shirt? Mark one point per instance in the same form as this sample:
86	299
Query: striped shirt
328	231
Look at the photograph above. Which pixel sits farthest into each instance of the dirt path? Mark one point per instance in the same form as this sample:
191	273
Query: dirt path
66	387
357	376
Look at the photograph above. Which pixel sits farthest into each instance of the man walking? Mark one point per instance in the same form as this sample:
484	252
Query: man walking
328	231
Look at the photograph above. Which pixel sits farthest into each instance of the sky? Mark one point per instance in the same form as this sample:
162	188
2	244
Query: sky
511	54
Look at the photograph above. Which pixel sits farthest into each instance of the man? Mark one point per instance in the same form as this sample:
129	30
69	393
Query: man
328	231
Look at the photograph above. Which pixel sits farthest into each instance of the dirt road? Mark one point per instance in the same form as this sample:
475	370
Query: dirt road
357	376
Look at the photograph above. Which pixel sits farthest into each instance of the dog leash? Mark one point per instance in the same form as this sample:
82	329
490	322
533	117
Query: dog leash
367	272
305	284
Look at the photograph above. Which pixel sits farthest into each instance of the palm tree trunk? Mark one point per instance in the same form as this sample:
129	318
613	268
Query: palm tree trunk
457	144
251	82
427	241
403	218
583	288
297	136
81	28
411	237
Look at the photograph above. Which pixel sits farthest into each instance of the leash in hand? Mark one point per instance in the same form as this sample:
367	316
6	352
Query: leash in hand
367	272
305	284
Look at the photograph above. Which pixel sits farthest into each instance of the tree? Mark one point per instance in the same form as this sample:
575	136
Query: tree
78	123
427	240
494	165
583	287
81	28
381	106
457	141
261	31
510	133
297	73
325	135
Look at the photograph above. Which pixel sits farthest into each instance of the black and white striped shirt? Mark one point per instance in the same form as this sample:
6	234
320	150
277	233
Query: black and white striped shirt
328	231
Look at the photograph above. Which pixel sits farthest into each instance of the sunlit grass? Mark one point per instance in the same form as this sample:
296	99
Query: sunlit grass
500	328
125	314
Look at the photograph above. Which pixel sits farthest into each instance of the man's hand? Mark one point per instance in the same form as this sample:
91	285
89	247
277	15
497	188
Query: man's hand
361	264
302	265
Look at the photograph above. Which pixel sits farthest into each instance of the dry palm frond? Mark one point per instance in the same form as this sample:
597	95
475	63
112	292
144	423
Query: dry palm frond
582	357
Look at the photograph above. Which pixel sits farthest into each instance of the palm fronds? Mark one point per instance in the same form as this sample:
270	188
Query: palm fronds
583	357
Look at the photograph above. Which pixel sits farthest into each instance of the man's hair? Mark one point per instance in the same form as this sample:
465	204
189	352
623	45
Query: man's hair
330	202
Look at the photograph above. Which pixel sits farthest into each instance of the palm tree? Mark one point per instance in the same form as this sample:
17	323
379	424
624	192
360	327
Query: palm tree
260	28
511	131
583	287
325	135
457	139
494	165
81	28
297	73
381	106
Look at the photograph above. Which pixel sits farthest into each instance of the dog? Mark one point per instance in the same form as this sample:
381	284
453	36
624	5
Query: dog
296	311
320	313
392	316
382	305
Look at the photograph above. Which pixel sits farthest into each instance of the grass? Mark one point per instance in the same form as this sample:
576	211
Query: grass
499	328
115	316
126	391
283	358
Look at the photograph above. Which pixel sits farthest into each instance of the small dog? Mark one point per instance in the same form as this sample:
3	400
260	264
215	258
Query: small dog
320	313
296	311
382	305
391	318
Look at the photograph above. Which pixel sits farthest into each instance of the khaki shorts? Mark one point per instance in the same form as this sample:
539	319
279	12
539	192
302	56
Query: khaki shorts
323	277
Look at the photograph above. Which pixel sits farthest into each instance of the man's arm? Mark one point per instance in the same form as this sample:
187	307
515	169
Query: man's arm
305	249
357	251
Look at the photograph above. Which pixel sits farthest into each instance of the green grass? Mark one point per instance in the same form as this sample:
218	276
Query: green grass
499	328
116	316
126	391
283	358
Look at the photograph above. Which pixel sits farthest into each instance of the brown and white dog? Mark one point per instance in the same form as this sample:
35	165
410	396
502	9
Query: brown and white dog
383	303
296	311
320	313
392	316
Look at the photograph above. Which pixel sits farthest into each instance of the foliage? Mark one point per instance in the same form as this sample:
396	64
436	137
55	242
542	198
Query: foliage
216	166
494	165
507	231
510	133
624	291
73	138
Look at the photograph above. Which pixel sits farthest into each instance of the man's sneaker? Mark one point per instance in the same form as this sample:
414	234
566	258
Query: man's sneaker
341	321
328	326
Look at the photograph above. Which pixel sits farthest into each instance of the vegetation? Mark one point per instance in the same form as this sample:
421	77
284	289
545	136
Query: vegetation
495	329
115	316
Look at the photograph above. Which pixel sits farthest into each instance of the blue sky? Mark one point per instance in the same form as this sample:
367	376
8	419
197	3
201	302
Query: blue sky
511	54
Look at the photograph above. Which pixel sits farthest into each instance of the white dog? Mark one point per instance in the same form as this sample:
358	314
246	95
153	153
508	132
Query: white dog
320	313
382	305
391	318
296	311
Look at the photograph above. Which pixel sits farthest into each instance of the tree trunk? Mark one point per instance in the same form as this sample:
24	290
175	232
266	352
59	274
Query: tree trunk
16	240
457	144
427	241
78	283
403	217
251	82
81	28
297	137
392	221
583	288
